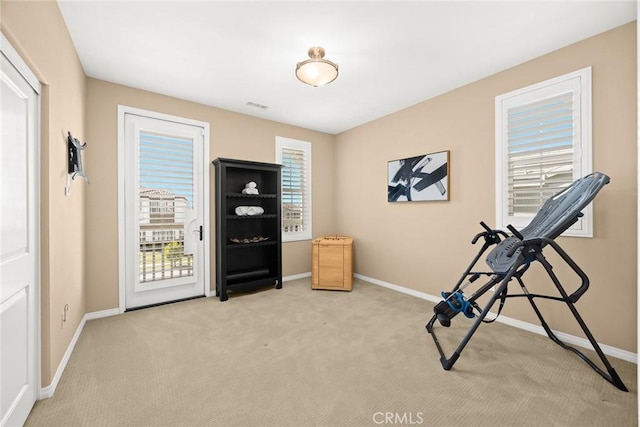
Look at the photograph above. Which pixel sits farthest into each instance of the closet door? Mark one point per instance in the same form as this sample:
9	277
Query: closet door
19	238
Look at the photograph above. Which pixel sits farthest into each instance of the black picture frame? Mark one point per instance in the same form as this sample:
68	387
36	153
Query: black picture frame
419	179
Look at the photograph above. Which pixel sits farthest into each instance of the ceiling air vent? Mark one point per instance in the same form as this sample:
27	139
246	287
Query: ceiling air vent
256	105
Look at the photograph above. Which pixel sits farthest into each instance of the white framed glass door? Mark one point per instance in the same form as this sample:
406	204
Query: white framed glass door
164	208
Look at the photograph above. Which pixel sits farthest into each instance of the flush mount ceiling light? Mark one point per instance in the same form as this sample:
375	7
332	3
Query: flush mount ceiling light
316	71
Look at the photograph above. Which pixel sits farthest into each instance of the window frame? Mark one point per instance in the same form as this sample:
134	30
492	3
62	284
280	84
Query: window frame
582	142
294	144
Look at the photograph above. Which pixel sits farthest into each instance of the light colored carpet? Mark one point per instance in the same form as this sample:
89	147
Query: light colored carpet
297	357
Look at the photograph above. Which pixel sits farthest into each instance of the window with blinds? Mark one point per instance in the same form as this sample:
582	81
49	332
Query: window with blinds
543	144
295	158
539	151
166	176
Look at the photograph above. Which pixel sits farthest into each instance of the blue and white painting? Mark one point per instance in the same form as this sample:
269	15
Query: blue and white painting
420	178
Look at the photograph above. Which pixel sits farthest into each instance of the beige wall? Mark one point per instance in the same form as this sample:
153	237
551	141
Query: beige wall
426	246
38	32
232	135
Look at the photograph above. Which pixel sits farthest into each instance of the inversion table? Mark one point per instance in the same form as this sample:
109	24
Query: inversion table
510	259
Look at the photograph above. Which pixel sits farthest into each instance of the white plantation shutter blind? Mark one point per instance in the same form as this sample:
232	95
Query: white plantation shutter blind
166	177
543	144
295	157
294	190
540	152
166	162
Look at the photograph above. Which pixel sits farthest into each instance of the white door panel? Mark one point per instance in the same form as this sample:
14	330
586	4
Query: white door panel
164	209
15	333
14	170
19	361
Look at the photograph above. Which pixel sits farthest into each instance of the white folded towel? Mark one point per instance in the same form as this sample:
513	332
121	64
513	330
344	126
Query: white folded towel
250	184
242	210
255	210
250	191
249	210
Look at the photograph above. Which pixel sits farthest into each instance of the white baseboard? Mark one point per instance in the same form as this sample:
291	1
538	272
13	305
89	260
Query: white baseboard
296	277
569	339
47	392
398	288
103	313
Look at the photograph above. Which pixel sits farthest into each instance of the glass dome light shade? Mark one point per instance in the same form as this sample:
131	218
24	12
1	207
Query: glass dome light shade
316	71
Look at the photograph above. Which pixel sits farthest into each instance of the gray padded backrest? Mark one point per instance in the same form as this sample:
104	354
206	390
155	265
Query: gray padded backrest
557	214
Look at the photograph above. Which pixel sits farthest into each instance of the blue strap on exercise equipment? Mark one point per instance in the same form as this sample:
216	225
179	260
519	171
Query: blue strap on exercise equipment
457	303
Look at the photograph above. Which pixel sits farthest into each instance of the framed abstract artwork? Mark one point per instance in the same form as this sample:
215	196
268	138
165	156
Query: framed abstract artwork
419	178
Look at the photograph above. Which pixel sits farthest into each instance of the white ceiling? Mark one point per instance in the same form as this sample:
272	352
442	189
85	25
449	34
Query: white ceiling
391	54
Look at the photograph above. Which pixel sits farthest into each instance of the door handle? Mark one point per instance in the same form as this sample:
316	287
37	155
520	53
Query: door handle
199	230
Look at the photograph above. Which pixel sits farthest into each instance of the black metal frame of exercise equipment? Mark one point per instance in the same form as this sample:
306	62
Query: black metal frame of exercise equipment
511	258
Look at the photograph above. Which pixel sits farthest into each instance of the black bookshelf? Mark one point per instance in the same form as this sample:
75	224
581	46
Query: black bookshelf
248	247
